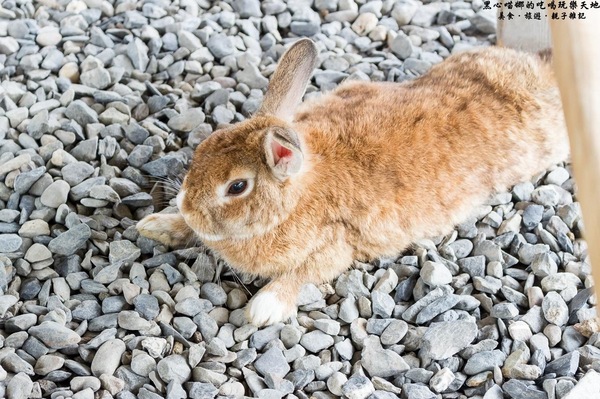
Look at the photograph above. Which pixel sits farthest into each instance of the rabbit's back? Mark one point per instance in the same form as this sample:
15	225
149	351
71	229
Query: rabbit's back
399	162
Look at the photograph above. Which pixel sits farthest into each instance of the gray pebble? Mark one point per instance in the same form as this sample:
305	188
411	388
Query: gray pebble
316	341
70	241
272	362
358	387
442	340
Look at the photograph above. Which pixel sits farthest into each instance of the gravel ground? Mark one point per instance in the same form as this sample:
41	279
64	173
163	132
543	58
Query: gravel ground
102	102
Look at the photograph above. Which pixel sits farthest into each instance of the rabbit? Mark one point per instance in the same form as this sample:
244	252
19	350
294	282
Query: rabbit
298	191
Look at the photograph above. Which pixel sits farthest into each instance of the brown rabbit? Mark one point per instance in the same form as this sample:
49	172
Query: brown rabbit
296	193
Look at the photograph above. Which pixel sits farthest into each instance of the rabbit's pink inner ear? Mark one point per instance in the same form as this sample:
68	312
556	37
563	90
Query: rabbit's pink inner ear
280	152
283	158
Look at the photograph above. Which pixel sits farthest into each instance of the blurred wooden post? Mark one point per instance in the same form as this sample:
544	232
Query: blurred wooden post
577	64
521	33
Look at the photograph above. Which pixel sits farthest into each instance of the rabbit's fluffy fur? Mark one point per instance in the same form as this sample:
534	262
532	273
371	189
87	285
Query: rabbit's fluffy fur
365	170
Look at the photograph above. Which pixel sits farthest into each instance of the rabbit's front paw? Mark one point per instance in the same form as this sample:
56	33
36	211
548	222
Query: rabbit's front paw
268	307
169	229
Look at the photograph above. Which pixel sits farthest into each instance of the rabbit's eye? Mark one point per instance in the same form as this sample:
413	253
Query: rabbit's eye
237	187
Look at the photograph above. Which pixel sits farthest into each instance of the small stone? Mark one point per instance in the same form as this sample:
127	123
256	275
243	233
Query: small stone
163	167
586	387
335	383
111	116
251	76
48	363
290	336
85	382
220	45
81	113
14	364
174	368
316	341
24	181
358	387
402	46
48	36
201	390
142	364
441	380
543	265
365	23
56	194
444	339
214	293
187	121
532	216
70	241
520	331
437	307
434	274
484	21
123	251
272	362
383	304
416	66
247	8
8	45
504	311
555	309
564	366
411	313
16	116
54	335
10	243
20	386
417	391
147	306
518	389
137	51
381	362
394	332
484	361
404	11
348	310
76	172
330	327
546	195
489	249
560	281
98	78
522	191
108	357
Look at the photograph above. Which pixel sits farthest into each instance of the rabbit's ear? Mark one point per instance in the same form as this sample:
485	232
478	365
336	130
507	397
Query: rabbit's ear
283	153
290	79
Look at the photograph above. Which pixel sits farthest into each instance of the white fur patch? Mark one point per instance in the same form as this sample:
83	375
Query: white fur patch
179	199
209	237
219	237
266	308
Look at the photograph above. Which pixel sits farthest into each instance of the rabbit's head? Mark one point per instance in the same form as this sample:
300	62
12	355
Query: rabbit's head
245	179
